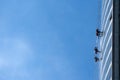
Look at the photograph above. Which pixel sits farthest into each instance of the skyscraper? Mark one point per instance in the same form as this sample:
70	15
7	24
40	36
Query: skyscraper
110	41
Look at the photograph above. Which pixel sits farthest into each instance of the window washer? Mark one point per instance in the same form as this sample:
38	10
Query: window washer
97	59
99	33
96	50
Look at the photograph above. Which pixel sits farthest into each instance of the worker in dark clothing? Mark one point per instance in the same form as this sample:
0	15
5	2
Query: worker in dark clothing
99	33
96	59
96	50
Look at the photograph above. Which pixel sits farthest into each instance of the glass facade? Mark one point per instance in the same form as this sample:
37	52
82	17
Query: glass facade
106	40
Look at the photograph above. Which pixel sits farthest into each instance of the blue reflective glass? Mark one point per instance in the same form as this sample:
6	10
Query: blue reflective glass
105	15
108	63
106	41
107	50
105	5
107	12
109	74
107	33
107	36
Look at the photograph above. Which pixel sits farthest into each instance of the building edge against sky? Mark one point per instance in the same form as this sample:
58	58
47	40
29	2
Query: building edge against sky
110	41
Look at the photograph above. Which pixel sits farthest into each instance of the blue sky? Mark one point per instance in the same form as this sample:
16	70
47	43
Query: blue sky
48	39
